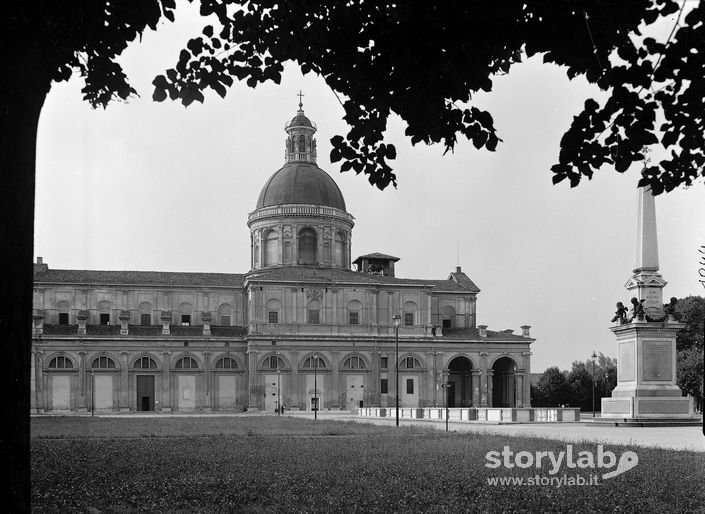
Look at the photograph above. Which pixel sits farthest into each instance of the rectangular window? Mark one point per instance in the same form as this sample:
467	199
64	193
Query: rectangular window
63	318
104	318
383	362
145	319
447	323
273	317
409	318
409	386
354	318
185	320
409	362
383	387
313	318
225	321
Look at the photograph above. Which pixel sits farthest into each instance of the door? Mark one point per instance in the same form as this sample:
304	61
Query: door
103	390
187	392
60	392
145	392
226	392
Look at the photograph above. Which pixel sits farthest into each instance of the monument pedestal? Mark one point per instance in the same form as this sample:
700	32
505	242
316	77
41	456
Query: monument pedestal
646	376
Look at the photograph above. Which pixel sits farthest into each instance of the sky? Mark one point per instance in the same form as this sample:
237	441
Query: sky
156	186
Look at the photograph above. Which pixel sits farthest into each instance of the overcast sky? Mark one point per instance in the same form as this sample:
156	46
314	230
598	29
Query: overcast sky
156	186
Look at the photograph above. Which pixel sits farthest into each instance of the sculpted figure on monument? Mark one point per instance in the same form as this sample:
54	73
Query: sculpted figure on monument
637	309
670	308
621	314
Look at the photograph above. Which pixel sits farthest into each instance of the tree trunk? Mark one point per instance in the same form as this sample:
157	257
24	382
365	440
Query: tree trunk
22	94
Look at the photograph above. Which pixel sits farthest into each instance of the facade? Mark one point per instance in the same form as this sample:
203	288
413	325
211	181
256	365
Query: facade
302	328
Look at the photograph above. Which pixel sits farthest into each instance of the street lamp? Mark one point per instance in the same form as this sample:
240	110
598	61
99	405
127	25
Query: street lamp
397	319
279	373
593	357
92	392
446	390
315	386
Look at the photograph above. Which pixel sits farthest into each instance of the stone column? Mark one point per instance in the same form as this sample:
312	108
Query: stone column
82	400
208	407
334	395
484	400
527	379
375	310
489	387
429	313
476	387
252	378
39	386
519	388
124	383
293	391
431	381
166	382
294	303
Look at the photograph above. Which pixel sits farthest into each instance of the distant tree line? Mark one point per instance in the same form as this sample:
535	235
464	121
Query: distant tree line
574	388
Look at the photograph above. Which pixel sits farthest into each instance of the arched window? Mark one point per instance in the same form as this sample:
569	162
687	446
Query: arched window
448	316
145	363
409	314
302	143
145	310
409	363
185	309
308	246
226	363
273	362
186	363
314	362
339	249
60	362
104	312
273	309
354	312
271	248
225	312
62	309
103	362
354	362
313	310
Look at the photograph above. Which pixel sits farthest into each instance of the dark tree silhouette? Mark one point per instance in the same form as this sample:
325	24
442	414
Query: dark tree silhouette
421	61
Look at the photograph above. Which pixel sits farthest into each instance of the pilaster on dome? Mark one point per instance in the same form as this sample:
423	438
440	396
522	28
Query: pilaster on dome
300	143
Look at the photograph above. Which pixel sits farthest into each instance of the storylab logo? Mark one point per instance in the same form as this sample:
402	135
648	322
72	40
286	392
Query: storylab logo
601	462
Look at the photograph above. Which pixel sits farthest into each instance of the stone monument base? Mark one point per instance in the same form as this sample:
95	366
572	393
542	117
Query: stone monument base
647	407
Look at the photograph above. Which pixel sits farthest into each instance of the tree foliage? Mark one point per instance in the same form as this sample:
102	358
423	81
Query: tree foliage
425	63
690	346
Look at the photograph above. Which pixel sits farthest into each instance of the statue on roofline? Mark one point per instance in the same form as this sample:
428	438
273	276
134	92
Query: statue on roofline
621	314
637	309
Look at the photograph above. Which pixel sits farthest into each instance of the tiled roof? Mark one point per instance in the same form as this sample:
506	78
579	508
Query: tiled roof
474	334
377	255
337	276
161	278
462	279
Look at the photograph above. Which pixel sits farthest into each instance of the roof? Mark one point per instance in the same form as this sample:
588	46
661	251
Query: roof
474	333
162	278
301	183
300	120
377	255
337	276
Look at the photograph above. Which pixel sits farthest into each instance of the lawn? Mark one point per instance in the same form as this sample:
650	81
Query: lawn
269	464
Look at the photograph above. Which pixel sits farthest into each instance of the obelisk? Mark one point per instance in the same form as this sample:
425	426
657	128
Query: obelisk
646	358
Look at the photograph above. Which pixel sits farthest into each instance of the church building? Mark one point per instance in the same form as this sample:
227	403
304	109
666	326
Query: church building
306	327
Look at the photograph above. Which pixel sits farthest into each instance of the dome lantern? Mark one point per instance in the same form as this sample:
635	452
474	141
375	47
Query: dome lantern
300	143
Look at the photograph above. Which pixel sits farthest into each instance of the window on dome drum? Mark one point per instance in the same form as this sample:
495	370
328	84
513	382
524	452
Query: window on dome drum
60	362
103	362
104	318
409	363
383	362
271	248
145	319
313	317
63	318
308	244
273	362
185	320
383	386
145	363
186	363
339	249
409	386
409	318
273	317
225	321
226	363
354	318
354	362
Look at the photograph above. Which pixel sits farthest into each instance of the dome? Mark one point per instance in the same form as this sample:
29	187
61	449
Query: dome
302	183
300	120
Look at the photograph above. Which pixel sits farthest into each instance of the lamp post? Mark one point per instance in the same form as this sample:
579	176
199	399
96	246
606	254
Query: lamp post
397	319
92	392
446	391
593	357
315	386
279	374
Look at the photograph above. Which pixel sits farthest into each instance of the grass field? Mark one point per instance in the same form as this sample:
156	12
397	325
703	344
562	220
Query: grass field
269	464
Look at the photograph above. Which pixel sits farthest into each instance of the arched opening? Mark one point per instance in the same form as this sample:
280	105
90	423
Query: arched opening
104	312
448	315
308	246
409	314
62	309
503	382
339	249
273	308
145	311
460	375
225	312
271	248
186	311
